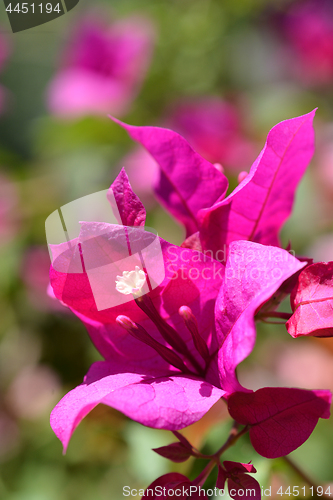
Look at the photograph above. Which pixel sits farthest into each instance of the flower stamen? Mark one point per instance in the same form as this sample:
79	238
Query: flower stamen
167	331
138	332
192	325
131	282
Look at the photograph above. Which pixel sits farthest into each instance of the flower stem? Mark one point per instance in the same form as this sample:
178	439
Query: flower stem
200	480
299	472
275	314
303	475
233	437
215	458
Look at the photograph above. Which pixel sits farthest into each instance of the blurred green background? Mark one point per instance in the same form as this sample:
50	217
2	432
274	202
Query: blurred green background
232	50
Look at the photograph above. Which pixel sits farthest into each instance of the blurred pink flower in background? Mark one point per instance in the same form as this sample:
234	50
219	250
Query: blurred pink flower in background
309	365
309	29
102	68
35	269
322	248
324	168
33	392
4	53
213	128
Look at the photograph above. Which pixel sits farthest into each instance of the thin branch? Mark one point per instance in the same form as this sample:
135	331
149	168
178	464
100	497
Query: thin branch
272	322
298	471
233	437
302	474
275	314
200	480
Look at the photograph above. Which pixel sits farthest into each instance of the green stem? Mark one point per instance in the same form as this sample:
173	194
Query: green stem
275	314
272	322
233	437
200	480
215	459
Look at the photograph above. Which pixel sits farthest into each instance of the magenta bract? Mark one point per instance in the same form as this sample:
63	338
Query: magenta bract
259	206
280	419
213	127
240	485
187	181
193	190
176	452
244	486
178	484
131	210
155	397
253	274
312	302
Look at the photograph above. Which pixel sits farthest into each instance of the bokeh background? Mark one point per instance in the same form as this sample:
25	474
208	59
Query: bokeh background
220	72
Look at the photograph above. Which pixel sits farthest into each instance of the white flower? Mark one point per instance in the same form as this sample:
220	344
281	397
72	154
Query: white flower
131	281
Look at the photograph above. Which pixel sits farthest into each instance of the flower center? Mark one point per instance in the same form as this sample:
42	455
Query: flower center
131	282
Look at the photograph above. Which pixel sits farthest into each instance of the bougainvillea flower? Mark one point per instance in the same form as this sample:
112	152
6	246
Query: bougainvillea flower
280	419
312	302
240	484
156	370
257	208
308	27
35	268
103	67
174	485
136	378
213	128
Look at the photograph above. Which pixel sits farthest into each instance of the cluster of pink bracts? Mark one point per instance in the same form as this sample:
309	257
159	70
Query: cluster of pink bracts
172	353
